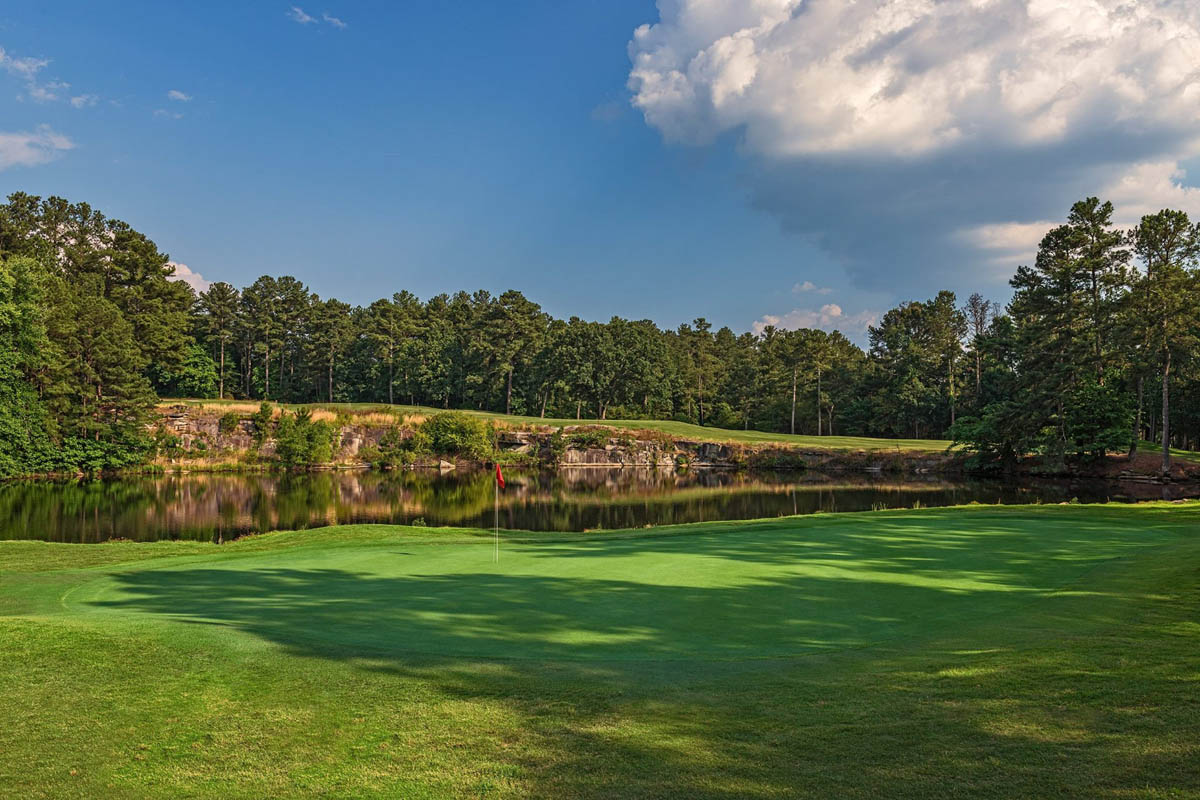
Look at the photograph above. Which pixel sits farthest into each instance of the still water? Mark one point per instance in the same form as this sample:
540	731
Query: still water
221	507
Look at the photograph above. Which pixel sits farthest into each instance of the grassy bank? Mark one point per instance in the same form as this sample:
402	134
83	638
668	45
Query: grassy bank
977	651
679	430
1145	447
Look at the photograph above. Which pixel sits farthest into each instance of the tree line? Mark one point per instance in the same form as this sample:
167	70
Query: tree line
1084	360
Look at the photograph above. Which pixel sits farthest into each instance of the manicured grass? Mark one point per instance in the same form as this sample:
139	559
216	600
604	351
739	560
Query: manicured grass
1155	447
680	430
976	651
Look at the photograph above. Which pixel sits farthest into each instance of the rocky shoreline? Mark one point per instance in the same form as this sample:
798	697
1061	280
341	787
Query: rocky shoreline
203	445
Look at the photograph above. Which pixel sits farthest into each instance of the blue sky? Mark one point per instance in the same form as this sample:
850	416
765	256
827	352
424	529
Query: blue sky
708	168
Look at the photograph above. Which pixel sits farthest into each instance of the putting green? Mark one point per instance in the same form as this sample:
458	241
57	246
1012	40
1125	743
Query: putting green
732	592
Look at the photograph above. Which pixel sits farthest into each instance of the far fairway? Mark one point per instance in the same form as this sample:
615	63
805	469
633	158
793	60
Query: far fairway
998	652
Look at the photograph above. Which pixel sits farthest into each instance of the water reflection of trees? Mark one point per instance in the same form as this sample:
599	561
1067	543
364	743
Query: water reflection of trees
221	506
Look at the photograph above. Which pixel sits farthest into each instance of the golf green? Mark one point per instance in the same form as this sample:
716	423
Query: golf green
743	591
995	652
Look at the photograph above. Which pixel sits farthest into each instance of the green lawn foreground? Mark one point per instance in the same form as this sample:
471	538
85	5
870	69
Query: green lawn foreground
977	651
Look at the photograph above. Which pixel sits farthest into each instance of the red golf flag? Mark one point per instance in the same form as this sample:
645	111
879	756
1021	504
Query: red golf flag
499	477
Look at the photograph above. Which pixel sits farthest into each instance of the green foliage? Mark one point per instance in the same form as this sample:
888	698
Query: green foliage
195	376
1098	421
301	441
777	460
589	438
263	422
995	439
396	449
452	433
96	327
228	423
25	444
558	445
91	456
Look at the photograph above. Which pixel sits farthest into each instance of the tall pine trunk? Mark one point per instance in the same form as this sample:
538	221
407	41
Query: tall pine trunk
221	389
1137	420
391	378
818	401
1166	414
508	395
793	401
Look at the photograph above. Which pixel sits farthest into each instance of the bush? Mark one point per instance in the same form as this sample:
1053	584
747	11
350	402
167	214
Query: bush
395	449
779	460
90	456
457	434
261	420
301	442
228	423
589	438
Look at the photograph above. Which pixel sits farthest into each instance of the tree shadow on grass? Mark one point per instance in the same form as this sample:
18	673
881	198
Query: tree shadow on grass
613	691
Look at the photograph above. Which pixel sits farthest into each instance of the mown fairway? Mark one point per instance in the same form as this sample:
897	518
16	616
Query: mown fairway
982	651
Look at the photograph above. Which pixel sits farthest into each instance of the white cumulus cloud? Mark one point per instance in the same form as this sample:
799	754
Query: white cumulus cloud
188	276
1142	189
175	94
30	148
912	76
809	286
829	317
929	141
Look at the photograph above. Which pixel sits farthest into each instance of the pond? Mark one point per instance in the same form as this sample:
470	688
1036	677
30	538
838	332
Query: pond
219	507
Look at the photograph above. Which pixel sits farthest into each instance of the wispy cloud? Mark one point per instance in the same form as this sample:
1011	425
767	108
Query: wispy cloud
46	92
164	114
296	14
175	94
30	148
26	68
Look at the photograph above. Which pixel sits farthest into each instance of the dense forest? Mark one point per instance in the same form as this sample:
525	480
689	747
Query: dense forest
1093	353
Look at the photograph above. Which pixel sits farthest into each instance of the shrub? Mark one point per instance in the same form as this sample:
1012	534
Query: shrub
88	455
261	420
228	422
300	441
455	433
395	450
779	460
589	438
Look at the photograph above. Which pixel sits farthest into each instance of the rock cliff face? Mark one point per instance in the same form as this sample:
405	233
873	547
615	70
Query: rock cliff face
201	442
